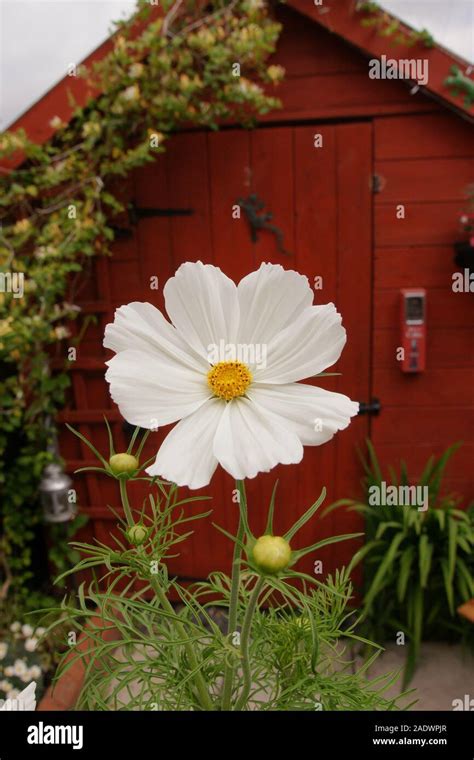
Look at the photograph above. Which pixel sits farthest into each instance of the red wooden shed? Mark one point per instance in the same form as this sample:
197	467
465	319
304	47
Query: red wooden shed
334	165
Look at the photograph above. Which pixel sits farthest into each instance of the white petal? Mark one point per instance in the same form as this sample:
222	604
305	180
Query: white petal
143	326
313	414
250	440
270	299
305	348
153	390
202	303
186	456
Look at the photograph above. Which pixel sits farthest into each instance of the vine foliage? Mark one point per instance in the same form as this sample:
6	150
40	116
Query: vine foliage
187	62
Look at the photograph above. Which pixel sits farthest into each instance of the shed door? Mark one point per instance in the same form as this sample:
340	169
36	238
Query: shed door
320	198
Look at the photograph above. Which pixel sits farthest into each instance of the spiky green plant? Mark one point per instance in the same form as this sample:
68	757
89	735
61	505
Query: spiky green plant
418	565
286	643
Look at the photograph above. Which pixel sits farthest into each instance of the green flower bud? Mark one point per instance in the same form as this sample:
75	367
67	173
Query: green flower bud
271	554
137	534
121	464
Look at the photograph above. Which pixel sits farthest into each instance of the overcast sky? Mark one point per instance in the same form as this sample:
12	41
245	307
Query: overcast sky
39	38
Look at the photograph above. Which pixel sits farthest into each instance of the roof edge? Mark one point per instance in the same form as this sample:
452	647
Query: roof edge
343	18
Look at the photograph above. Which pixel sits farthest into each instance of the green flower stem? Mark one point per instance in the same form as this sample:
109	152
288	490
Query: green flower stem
204	697
234	599
125	502
244	644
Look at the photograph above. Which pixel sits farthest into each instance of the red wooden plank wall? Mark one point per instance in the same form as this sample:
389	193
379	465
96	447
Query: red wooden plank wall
306	189
327	78
424	162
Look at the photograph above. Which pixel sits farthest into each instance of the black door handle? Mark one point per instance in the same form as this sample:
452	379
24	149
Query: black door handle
372	407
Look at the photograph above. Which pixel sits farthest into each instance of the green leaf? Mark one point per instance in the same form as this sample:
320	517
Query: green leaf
406	562
378	580
361	553
109	434
271	509
448	585
465	573
324	542
452	547
305	517
425	553
88	444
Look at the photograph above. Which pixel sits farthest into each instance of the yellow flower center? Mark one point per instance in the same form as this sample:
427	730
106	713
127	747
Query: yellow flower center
228	380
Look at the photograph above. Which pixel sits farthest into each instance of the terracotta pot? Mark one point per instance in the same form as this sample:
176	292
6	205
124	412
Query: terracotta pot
63	694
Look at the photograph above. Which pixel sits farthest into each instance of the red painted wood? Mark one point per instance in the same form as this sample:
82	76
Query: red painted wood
447	387
354	166
430	424
316	255
411	180
440	135
273	177
230	180
423	223
344	95
408	267
445	308
187	170
342	18
305	49
291	175
419	454
445	347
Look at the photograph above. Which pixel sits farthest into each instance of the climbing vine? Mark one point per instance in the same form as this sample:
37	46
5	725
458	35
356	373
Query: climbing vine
388	26
460	84
194	63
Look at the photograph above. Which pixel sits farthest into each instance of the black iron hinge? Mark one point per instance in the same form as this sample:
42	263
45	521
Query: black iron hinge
135	213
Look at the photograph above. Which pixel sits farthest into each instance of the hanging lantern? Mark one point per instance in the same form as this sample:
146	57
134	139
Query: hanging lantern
54	490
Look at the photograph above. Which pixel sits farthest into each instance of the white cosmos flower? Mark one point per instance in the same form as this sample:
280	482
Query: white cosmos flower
245	416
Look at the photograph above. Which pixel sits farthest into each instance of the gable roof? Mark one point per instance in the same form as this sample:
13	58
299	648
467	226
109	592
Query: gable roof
339	17
342	18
